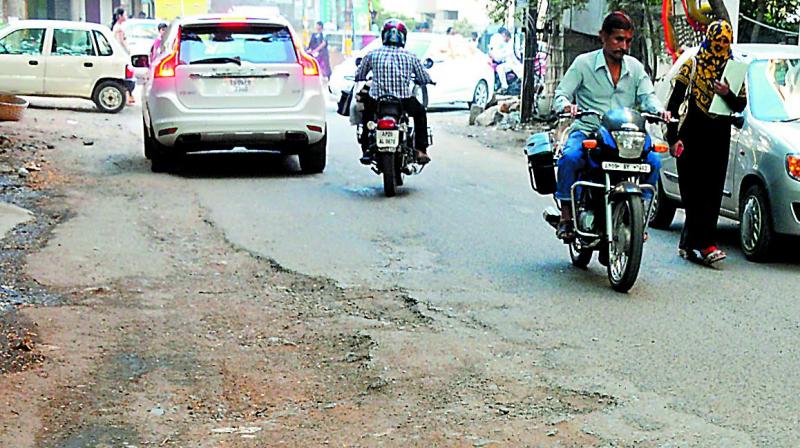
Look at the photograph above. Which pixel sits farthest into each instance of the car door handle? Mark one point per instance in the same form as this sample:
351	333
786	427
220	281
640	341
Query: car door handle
88	64
33	62
741	152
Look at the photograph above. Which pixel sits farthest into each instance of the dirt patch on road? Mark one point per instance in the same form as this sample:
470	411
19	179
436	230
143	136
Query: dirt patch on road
164	334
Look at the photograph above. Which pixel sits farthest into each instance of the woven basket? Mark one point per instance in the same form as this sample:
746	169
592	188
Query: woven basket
11	107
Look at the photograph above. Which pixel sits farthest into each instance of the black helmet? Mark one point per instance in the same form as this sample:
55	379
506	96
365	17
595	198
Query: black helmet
394	33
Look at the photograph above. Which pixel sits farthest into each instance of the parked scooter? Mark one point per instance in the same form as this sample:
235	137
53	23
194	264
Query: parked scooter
607	200
513	81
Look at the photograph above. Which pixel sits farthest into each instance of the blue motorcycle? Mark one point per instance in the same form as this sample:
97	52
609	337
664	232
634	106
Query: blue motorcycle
608	204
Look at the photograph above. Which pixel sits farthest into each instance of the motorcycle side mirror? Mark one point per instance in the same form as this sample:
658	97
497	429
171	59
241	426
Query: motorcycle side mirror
738	121
428	63
358	61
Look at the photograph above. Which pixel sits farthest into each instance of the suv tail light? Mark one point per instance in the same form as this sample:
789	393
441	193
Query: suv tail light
387	124
128	72
310	66
166	66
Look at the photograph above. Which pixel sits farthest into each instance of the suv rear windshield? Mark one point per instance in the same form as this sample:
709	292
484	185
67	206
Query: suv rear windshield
218	43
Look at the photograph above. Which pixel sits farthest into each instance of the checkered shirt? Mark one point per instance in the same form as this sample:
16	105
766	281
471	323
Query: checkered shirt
392	69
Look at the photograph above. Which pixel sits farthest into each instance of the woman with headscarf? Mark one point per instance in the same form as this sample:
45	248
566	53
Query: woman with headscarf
702	143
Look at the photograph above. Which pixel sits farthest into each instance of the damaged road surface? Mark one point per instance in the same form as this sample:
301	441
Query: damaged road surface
239	303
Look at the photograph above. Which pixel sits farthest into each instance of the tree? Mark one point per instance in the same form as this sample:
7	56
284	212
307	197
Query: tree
382	15
648	39
781	14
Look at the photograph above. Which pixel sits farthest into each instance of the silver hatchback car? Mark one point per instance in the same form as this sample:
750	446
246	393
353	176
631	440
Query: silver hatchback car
762	186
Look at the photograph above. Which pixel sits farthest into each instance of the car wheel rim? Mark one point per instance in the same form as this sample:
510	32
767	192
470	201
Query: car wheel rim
620	243
481	96
751	223
110	98
654	207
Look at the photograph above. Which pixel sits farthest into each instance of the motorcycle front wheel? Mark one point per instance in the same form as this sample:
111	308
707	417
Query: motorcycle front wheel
388	169
627	241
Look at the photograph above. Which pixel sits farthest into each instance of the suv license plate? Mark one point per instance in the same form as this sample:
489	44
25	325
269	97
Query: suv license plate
388	139
630	167
239	85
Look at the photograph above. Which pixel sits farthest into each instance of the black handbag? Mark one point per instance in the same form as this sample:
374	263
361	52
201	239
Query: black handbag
343	107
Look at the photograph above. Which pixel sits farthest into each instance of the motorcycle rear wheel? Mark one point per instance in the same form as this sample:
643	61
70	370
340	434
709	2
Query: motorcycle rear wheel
387	167
627	242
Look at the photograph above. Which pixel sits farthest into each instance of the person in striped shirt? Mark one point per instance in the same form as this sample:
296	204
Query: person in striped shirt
394	69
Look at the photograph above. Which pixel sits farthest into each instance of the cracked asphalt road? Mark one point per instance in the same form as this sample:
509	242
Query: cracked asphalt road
464	307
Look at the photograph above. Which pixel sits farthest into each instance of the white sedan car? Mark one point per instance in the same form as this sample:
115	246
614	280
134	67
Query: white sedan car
222	82
64	59
462	72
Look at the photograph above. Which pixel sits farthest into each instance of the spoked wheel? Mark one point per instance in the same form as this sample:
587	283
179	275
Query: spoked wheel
580	256
627	240
387	167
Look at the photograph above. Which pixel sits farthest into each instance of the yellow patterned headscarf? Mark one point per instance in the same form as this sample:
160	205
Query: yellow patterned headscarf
711	59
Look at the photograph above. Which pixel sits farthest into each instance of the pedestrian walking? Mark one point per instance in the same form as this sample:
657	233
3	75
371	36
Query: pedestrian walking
318	47
119	34
701	141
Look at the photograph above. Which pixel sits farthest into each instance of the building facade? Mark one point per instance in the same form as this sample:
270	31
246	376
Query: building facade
98	11
442	14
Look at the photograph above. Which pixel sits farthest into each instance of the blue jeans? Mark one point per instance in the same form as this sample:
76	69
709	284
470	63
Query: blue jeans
574	160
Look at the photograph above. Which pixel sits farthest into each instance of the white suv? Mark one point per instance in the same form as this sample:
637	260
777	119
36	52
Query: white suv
67	59
224	82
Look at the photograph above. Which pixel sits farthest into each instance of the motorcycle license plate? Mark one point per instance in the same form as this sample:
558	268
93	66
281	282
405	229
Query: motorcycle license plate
629	167
388	140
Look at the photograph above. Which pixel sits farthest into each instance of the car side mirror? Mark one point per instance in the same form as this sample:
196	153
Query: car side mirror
738	121
141	60
358	61
428	63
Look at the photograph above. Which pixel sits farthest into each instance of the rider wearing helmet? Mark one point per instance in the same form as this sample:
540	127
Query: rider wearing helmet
393	69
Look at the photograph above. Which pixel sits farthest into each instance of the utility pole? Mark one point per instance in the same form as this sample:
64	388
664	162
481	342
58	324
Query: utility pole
529	63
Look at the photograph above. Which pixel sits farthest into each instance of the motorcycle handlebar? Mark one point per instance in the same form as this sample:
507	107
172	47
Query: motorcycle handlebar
580	114
655	117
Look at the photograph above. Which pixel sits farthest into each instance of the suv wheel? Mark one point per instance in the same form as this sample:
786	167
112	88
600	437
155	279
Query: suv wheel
162	158
148	142
313	159
109	96
755	224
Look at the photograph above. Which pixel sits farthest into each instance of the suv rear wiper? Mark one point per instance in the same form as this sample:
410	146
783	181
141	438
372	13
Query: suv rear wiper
789	120
237	60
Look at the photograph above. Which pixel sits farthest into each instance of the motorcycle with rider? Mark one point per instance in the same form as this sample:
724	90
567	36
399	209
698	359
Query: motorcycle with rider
392	144
609	165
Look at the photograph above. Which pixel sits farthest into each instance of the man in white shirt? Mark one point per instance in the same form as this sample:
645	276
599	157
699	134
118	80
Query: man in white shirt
502	51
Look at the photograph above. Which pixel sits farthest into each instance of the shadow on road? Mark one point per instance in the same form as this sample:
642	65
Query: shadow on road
88	109
375	192
238	165
728	233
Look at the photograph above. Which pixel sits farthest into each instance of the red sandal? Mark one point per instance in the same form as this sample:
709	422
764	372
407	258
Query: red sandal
712	254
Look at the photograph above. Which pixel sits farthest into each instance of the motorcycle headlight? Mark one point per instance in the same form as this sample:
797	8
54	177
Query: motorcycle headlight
629	143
